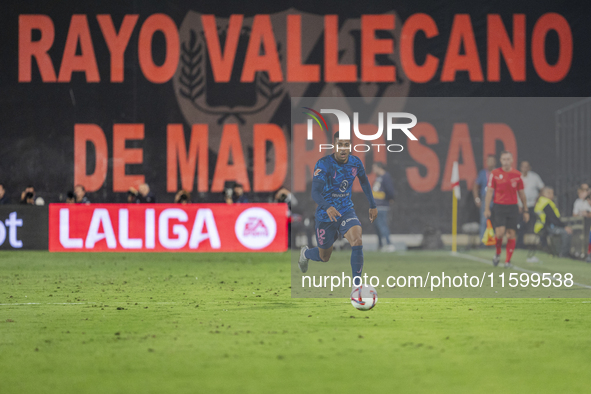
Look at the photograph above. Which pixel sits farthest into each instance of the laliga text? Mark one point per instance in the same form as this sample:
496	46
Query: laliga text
441	281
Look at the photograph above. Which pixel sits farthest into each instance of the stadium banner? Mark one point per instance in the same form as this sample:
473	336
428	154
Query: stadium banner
23	227
168	228
192	95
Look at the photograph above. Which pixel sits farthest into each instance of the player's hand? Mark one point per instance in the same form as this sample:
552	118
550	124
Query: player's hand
526	217
487	213
373	214
568	230
333	214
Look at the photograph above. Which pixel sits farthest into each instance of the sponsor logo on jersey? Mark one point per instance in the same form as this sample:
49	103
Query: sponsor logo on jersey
344	222
344	185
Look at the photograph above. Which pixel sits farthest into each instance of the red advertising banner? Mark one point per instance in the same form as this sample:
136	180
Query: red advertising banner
168	227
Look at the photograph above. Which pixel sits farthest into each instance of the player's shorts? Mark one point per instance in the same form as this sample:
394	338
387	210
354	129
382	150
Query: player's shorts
328	232
505	216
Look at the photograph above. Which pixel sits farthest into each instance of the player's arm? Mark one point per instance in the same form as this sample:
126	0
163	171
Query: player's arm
476	192
366	187
317	188
490	189
523	199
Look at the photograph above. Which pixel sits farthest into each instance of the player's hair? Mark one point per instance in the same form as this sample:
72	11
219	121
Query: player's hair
546	188
506	152
82	186
336	136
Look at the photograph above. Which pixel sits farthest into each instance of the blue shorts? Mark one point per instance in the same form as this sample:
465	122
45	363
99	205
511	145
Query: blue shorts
327	232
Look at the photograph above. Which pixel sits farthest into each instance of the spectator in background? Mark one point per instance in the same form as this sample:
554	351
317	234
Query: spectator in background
132	196
383	193
3	196
532	185
28	199
142	195
29	193
238	196
70	198
182	197
582	207
80	195
284	195
549	218
479	190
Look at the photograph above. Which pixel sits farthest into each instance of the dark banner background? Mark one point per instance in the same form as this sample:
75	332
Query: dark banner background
31	226
37	118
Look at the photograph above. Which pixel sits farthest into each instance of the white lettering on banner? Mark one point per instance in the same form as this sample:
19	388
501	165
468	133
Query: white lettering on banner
134	228
65	240
178	229
255	228
124	240
12	223
150	228
2	233
100	216
205	218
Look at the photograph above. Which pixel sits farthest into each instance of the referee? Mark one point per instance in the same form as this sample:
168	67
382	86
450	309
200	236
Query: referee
506	183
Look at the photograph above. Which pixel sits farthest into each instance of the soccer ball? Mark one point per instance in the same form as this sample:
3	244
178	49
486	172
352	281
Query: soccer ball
364	297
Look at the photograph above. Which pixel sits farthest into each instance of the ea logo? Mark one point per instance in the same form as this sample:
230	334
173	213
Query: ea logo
255	228
343	187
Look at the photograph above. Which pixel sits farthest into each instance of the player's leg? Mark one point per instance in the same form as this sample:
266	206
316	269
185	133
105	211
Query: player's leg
325	253
499	234
510	247
588	259
498	220
353	235
511	225
325	236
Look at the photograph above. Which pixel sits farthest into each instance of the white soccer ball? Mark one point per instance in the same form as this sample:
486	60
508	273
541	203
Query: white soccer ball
364	297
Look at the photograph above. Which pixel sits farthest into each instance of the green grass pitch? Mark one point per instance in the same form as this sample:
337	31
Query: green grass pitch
226	323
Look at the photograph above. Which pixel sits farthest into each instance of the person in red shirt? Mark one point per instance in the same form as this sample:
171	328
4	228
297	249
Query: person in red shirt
506	183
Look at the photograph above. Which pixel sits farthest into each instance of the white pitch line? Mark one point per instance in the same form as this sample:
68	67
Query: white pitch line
484	261
85	303
48	303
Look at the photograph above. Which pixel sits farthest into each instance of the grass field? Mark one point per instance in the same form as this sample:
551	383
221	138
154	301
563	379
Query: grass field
226	323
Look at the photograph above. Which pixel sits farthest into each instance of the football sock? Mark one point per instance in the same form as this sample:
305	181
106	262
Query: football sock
357	261
499	245
510	248
313	254
589	247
